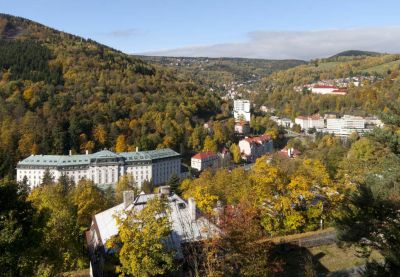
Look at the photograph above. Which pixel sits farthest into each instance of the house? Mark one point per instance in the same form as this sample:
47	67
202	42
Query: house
188	225
255	147
289	153
284	122
204	160
308	122
242	127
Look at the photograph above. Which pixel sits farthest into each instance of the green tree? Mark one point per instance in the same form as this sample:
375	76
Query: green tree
371	222
140	244
174	183
48	178
20	233
147	186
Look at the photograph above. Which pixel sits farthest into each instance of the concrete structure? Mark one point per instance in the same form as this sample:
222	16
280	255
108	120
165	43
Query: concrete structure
204	160
241	110
253	148
104	167
187	224
308	122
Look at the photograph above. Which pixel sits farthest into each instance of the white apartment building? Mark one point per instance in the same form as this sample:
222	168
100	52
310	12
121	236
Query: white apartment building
284	122
241	110
104	167
204	160
308	122
345	125
253	148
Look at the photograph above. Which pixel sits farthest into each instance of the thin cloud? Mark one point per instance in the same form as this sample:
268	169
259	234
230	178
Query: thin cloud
124	33
297	44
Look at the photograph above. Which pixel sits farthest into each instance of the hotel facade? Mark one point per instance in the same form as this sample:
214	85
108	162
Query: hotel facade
104	167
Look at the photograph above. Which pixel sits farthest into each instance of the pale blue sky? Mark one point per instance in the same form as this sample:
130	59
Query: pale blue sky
209	27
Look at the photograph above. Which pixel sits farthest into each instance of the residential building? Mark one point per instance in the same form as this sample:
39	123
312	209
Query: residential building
345	125
253	148
309	122
289	153
204	160
187	223
241	110
104	167
242	127
284	122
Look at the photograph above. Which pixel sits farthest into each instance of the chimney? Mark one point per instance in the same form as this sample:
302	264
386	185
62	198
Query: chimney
165	190
129	197
137	149
70	152
87	152
192	208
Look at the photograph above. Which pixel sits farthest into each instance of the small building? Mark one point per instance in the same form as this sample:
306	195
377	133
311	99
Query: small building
253	148
188	225
309	122
242	127
204	160
284	122
289	153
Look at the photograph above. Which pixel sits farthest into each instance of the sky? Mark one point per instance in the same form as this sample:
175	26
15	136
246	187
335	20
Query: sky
285	29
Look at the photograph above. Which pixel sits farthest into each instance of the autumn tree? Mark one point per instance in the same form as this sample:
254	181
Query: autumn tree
243	249
140	244
210	145
89	200
120	145
235	150
125	182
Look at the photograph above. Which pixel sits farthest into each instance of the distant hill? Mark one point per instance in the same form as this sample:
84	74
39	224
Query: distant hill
351	53
221	73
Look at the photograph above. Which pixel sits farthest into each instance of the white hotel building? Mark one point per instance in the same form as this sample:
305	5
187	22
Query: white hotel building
104	167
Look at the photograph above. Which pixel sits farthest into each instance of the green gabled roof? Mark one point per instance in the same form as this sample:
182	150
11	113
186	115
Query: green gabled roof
66	160
150	155
56	160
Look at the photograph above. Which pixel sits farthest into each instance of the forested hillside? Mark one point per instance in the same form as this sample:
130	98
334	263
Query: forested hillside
61	92
277	90
220	73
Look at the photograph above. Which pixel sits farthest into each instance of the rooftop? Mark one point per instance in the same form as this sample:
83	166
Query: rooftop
204	155
65	160
184	228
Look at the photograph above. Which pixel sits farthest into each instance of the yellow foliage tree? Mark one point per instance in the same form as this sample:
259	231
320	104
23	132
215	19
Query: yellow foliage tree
120	145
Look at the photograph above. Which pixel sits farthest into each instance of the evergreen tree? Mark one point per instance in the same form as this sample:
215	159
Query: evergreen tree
174	182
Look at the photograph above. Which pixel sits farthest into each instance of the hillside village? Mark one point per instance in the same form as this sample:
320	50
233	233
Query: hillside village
113	164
